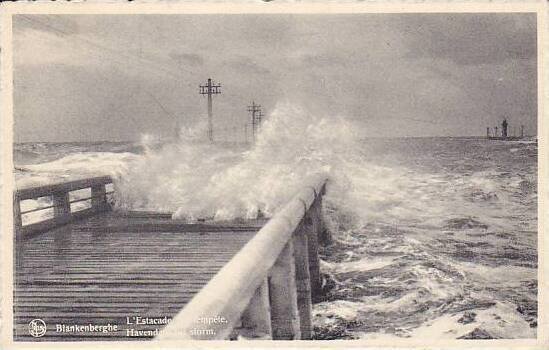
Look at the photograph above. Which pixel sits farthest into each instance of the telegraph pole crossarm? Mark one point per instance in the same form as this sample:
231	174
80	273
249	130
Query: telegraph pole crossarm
254	109
210	89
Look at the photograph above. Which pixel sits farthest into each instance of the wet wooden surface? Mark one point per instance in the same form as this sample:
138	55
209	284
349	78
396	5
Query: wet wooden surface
114	266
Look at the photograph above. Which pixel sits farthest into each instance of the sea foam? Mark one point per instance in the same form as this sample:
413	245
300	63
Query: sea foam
195	179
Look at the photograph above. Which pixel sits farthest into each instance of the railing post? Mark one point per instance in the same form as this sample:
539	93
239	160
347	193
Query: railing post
61	207
324	236
303	281
313	227
99	197
282	289
256	319
17	219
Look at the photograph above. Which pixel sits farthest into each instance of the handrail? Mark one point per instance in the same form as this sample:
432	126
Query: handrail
226	297
61	203
48	190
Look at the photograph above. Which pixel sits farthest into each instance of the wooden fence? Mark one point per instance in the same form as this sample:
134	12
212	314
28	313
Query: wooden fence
266	290
60	203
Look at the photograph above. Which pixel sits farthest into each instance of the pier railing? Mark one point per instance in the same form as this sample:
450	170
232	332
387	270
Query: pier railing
266	290
60	202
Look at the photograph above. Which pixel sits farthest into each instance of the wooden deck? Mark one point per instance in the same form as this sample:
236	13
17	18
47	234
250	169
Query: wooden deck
113	267
88	273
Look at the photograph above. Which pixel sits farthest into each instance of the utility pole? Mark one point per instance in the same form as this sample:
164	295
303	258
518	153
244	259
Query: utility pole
210	89
254	109
522	131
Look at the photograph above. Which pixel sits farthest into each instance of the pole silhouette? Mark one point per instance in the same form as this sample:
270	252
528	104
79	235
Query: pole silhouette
254	110
210	89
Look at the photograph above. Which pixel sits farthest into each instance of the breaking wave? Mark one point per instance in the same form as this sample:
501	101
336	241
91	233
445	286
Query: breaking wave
194	179
432	237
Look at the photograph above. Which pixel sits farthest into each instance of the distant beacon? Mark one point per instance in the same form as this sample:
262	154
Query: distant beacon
505	135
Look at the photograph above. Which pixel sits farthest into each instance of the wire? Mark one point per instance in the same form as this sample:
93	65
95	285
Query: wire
121	57
160	104
116	55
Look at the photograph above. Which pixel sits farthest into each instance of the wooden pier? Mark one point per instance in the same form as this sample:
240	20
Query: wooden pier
81	273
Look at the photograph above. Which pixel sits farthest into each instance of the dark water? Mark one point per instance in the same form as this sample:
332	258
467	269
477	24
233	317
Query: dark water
42	152
448	248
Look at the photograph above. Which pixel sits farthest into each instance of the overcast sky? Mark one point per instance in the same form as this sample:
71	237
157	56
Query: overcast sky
115	77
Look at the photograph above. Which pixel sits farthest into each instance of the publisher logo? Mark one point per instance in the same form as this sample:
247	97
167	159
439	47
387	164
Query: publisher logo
37	328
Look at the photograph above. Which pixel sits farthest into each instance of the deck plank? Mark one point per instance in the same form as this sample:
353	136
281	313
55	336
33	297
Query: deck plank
112	266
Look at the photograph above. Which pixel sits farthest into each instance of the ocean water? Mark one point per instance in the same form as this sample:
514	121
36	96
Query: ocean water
449	249
432	237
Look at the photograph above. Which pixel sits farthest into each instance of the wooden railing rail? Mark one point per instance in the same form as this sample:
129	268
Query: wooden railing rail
267	288
61	203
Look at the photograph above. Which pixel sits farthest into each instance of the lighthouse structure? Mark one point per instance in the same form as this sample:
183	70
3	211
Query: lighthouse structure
504	135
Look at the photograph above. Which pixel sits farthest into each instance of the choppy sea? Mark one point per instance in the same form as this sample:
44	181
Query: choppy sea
433	237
